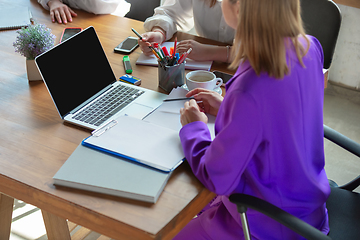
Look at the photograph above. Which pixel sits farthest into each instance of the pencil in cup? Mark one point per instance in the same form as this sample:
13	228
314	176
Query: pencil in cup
184	55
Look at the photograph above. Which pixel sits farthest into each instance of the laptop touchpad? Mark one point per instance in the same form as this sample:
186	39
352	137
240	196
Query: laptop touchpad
137	110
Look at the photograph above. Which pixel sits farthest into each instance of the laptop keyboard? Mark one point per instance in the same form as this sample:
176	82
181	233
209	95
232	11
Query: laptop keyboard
108	105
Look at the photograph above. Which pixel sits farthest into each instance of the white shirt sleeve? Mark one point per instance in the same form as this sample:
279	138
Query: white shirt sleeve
183	15
44	3
171	16
93	6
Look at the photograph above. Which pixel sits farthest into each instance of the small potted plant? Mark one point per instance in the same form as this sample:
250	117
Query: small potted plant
30	42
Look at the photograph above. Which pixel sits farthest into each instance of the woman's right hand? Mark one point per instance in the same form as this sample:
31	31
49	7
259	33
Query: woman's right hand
148	39
209	101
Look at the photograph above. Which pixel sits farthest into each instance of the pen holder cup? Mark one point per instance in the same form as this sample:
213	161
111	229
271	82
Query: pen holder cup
171	76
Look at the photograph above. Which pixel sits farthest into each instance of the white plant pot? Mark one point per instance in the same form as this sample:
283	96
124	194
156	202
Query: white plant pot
33	73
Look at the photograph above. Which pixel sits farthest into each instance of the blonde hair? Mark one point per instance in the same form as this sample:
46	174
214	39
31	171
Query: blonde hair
264	31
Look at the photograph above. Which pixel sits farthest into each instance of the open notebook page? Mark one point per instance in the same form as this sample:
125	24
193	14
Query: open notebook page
168	114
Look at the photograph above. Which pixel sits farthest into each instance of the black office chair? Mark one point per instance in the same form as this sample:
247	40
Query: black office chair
343	204
322	19
142	9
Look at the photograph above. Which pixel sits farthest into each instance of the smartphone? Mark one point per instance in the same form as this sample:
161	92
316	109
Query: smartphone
127	46
224	76
68	32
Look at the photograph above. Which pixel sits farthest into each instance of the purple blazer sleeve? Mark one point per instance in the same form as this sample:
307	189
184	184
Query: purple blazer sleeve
232	148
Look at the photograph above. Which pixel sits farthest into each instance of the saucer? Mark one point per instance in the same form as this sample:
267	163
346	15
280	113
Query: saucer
218	89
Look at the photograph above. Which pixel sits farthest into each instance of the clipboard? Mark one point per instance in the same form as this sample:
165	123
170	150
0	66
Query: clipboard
140	141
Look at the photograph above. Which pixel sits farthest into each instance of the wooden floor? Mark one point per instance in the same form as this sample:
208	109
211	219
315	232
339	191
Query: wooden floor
27	224
82	233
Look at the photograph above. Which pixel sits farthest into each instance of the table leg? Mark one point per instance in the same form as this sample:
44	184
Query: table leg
6	209
326	78
56	227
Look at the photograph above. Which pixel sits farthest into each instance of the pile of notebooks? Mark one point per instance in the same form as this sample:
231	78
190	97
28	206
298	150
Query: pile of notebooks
127	157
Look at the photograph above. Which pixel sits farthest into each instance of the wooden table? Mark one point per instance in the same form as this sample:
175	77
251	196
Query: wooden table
35	143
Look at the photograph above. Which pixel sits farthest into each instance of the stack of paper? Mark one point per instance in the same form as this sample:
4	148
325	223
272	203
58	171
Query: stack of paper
168	114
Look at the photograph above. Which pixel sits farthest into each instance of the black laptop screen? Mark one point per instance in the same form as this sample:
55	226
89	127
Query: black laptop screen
75	70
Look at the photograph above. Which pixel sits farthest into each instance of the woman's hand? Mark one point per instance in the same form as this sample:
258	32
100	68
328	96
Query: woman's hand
200	52
148	39
60	12
191	113
203	52
208	100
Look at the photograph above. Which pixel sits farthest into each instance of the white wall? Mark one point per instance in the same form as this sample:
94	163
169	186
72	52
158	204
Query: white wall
345	68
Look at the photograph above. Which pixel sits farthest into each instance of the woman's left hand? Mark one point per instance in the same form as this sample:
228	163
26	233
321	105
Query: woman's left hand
191	113
200	52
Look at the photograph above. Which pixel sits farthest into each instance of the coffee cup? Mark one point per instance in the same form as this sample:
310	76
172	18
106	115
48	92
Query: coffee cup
202	79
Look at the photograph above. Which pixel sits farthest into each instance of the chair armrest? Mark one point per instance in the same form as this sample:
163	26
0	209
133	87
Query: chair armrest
347	144
350	186
281	216
342	140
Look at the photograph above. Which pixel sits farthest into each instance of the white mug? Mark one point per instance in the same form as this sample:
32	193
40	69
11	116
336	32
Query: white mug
202	79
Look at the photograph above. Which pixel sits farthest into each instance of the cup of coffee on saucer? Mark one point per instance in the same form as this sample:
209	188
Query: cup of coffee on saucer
203	79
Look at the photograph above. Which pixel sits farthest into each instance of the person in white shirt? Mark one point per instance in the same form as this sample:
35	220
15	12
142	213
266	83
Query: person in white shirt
61	10
204	15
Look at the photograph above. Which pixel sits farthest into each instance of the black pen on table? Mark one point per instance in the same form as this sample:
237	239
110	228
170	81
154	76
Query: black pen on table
178	99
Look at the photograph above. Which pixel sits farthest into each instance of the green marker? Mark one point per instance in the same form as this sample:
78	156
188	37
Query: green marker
127	65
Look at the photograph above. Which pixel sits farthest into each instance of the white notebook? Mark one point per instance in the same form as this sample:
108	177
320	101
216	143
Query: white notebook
189	64
168	114
14	18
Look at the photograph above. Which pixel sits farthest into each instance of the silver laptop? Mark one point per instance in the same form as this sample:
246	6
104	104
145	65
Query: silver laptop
84	88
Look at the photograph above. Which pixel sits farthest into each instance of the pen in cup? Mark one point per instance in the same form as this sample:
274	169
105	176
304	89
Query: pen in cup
155	53
165	51
184	56
175	43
